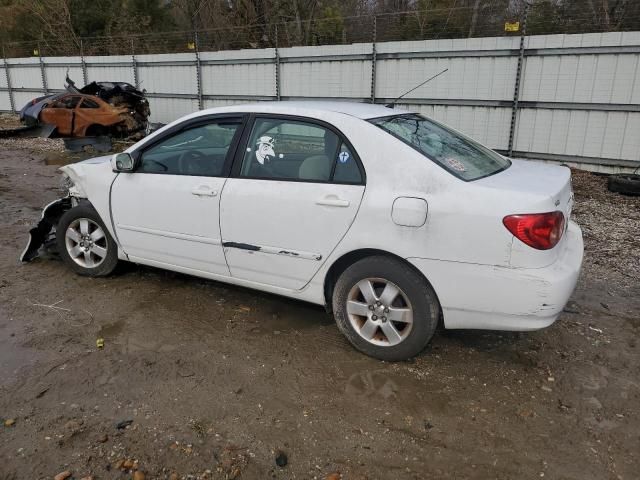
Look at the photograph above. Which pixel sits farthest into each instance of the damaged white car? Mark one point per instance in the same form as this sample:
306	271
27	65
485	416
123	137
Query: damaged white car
393	221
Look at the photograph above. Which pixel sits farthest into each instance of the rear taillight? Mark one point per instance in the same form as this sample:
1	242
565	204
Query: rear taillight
538	230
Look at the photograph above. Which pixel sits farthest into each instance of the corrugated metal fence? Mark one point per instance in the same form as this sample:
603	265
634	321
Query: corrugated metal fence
575	98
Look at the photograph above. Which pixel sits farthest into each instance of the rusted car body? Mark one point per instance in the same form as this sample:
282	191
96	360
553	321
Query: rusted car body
99	108
82	115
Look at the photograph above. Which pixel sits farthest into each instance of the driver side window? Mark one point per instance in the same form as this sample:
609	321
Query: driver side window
199	151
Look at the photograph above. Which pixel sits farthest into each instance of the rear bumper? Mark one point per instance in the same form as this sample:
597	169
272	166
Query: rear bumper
500	298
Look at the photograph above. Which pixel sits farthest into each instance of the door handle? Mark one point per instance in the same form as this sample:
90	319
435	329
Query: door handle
204	191
333	201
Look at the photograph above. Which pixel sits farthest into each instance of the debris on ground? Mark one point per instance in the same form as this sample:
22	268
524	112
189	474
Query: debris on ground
123	424
62	475
610	226
9	422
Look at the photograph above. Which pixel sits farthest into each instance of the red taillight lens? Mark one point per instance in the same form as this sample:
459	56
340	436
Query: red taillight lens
538	230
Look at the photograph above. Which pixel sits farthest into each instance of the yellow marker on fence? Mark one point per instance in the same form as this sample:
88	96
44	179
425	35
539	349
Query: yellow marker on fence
191	45
512	27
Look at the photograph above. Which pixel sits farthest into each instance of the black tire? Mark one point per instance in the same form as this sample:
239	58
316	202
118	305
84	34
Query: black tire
421	298
103	267
625	184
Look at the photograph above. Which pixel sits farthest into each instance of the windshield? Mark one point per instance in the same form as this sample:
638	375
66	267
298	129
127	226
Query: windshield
461	156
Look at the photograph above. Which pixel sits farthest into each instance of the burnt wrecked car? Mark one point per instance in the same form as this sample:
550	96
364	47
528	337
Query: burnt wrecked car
99	108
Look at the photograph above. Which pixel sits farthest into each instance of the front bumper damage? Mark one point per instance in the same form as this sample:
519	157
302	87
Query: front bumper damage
44	233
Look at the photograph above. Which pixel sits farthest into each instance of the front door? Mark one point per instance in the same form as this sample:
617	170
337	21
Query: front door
293	195
167	211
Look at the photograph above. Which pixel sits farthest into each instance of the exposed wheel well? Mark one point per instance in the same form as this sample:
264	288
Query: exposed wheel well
350	258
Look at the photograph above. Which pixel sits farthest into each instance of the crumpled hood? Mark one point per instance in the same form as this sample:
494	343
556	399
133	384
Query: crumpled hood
95	160
88	172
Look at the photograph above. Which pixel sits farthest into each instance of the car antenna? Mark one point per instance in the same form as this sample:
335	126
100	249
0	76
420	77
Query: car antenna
392	104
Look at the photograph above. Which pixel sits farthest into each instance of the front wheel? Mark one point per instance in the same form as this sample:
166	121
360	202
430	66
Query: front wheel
385	308
84	242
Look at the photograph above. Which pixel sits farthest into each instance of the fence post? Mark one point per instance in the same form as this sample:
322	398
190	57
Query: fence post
43	71
7	75
134	64
83	64
198	69
516	88
374	59
277	65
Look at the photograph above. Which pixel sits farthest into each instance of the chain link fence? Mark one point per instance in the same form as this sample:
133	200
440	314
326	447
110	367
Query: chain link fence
489	19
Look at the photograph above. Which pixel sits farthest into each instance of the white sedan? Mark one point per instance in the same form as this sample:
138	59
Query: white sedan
393	221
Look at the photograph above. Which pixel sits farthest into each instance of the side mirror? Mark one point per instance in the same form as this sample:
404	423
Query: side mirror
122	162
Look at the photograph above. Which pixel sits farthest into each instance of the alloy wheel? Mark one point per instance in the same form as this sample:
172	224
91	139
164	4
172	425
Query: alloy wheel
379	311
86	243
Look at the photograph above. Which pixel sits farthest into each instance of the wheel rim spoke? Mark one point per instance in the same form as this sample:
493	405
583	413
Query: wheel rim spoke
369	329
391	333
403	315
73	235
366	287
99	251
357	308
389	294
84	226
75	251
88	261
97	234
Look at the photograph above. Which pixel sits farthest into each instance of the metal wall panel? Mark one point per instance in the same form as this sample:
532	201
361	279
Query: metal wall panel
591	97
25	72
167	110
489	126
5	103
246	77
325	78
580	133
57	69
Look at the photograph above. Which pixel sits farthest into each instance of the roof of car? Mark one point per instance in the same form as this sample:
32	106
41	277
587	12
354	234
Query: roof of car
354	109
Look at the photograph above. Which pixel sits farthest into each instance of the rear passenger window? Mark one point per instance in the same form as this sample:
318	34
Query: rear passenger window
283	149
347	170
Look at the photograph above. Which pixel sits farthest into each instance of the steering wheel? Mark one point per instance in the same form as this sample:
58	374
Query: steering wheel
192	162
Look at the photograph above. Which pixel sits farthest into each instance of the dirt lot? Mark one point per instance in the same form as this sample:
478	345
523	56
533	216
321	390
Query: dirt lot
218	381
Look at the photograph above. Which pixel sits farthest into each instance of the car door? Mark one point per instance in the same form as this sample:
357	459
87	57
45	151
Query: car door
61	113
293	194
166	212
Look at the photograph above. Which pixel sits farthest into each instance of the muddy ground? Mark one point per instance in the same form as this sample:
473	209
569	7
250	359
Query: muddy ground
217	381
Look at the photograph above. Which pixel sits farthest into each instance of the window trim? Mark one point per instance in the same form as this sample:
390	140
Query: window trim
188	125
451	171
342	139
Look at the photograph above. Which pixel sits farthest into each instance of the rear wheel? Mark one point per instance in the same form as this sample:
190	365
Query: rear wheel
385	308
84	242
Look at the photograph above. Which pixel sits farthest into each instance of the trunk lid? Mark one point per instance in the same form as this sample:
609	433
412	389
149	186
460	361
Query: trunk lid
532	187
546	186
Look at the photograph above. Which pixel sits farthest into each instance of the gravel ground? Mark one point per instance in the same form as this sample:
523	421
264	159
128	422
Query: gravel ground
205	380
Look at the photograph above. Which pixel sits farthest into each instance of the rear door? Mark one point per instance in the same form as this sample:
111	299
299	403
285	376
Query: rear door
293	194
166	212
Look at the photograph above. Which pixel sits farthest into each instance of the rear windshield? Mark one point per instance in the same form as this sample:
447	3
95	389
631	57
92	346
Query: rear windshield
461	156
